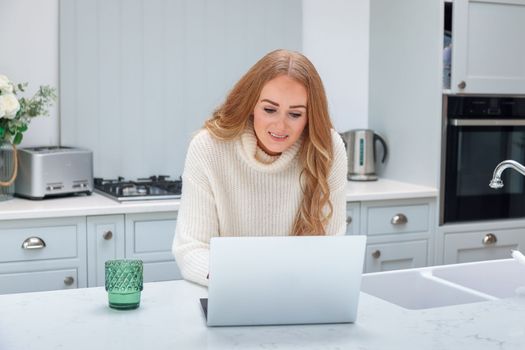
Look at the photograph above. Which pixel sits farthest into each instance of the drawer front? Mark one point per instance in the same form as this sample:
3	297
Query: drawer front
396	256
386	219
38	281
52	242
464	247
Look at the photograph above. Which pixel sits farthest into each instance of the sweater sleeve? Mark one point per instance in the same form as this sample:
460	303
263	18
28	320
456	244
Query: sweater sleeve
197	218
337	181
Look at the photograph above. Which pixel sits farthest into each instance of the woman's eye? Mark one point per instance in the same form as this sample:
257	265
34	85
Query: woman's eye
269	110
295	115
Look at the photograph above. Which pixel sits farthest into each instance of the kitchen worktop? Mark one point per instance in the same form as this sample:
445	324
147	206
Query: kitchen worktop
170	318
96	204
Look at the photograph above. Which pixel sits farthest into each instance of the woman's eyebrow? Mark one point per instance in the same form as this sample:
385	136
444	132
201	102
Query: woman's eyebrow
276	104
269	101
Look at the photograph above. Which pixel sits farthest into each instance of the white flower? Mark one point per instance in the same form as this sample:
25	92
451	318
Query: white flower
8	106
5	85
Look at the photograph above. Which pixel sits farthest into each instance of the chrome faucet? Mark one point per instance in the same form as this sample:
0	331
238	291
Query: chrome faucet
496	177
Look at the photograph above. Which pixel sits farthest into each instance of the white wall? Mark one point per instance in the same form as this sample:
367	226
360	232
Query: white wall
140	76
406	87
29	53
335	38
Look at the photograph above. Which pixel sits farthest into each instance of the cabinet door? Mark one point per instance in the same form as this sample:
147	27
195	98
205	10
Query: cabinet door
395	256
488	52
149	237
105	242
352	218
464	247
37	281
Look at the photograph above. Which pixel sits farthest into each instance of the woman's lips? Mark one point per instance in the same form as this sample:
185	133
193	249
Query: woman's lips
277	137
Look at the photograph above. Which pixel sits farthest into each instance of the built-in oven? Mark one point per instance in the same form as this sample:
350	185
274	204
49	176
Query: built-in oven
478	133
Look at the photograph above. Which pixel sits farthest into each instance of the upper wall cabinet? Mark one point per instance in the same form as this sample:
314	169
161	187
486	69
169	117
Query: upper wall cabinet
488	50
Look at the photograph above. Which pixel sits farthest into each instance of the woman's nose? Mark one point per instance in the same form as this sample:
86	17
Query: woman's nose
281	121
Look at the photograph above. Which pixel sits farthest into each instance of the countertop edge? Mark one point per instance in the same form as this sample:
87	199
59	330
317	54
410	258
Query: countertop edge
96	204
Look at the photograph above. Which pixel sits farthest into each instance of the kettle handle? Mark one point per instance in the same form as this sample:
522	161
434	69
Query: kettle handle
377	137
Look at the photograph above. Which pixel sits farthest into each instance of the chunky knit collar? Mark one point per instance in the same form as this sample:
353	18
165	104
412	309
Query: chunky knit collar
259	160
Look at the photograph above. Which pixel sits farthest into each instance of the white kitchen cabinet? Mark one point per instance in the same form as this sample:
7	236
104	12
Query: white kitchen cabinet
105	236
149	237
488	50
483	244
144	236
43	254
353	218
395	217
396	255
71	252
400	233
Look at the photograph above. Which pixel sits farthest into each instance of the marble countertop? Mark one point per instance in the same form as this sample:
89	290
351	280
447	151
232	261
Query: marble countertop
96	204
170	318
384	189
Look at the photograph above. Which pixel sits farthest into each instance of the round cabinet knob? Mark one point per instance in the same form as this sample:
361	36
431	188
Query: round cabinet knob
69	280
462	85
33	243
399	219
348	220
376	254
490	238
107	235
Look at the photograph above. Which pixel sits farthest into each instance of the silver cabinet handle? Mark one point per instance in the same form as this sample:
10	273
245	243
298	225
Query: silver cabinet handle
33	243
490	238
376	254
399	219
69	280
107	235
348	220
462	85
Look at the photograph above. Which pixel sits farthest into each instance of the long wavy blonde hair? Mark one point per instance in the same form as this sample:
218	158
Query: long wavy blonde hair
316	155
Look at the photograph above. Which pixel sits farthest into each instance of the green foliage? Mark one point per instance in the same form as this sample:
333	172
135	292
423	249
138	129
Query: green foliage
11	130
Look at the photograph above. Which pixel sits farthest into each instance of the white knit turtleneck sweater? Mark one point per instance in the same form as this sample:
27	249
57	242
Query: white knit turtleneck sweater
233	188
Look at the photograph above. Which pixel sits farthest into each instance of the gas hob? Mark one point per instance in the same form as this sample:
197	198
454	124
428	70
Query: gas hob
151	188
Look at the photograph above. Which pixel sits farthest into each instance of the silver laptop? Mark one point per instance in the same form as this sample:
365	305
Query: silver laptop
284	280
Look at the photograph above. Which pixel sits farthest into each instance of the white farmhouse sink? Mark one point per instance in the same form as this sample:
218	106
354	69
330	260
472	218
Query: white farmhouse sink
438	286
499	278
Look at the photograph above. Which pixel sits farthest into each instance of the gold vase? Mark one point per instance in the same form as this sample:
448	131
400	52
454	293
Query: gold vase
8	170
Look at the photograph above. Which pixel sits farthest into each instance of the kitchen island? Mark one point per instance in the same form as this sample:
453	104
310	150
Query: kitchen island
170	317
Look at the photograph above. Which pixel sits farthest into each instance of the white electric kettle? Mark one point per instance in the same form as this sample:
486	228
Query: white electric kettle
361	152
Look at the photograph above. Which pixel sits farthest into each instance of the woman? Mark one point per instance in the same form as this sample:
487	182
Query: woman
266	163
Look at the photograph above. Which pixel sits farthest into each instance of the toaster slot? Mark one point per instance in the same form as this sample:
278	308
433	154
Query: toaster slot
54	186
80	184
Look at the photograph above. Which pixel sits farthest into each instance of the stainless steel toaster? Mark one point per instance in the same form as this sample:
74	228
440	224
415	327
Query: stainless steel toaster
53	171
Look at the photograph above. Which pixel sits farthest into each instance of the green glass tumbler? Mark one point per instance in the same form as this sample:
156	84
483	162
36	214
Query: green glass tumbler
124	282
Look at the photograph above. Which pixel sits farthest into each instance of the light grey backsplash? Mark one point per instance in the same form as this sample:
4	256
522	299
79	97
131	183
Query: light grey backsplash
139	77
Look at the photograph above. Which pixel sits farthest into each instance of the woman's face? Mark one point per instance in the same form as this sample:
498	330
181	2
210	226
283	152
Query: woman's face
280	116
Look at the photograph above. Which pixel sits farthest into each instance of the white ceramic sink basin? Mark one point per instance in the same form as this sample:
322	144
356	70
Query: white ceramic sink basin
498	278
438	286
417	289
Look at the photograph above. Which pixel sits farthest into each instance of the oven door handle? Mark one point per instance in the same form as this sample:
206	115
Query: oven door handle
487	122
